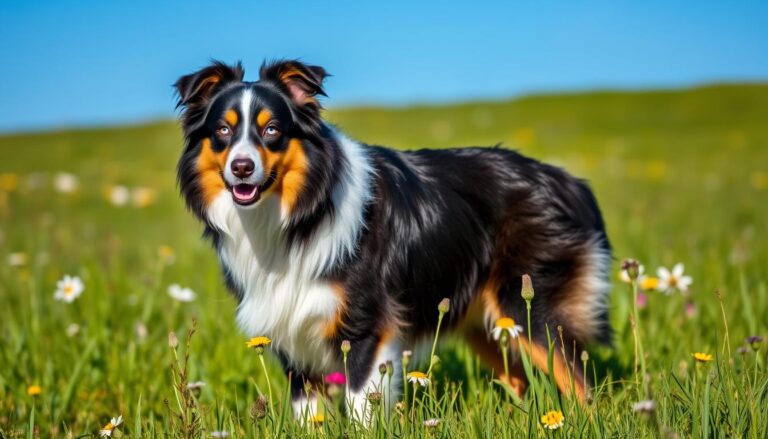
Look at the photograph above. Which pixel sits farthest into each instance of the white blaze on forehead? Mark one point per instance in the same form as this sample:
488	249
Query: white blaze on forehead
244	147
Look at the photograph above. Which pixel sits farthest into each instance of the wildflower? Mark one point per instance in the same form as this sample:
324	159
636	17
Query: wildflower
584	356
34	390
258	342
118	195
444	306
642	300
644	406
742	350
68	289
318	418
506	324
346	346
336	378
143	196
419	378
107	430
17	259
702	357
65	183
9	182
407	354
527	289
219	434
173	340
648	283
141	331
553	419
690	309
674	280
754	341
181	294
73	329
431	423
630	270
167	255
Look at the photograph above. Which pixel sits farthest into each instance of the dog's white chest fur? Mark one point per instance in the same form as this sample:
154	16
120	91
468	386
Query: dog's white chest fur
284	296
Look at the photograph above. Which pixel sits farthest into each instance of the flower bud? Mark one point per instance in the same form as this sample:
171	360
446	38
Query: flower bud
173	341
259	408
382	369
407	358
435	359
527	290
632	267
345	347
584	356
754	342
390	368
444	306
374	398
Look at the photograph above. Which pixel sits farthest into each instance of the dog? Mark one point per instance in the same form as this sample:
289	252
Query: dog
323	239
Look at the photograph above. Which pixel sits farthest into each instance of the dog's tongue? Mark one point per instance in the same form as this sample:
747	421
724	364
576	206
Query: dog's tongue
244	192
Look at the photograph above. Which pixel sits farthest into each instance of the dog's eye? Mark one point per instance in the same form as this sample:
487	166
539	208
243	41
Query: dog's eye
223	130
271	131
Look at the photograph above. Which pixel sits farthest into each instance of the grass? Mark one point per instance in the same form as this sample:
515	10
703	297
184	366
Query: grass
682	176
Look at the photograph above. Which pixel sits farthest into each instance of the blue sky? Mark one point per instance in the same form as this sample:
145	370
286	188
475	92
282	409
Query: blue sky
104	62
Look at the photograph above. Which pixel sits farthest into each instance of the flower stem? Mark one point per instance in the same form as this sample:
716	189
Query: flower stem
269	386
639	352
434	345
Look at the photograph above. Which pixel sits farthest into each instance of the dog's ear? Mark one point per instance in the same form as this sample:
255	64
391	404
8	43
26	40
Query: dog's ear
302	82
196	89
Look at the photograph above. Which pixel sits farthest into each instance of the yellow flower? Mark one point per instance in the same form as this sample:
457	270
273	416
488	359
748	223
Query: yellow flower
34	390
649	283
417	377
167	255
506	324
318	418
701	357
553	419
258	342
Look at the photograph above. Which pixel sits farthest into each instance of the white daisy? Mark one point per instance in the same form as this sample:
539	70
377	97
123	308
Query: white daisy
419	378
106	431
219	434
669	282
430	423
181	294
65	182
506	324
17	259
69	289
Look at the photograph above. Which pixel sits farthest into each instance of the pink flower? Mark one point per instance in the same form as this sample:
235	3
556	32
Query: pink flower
336	378
690	309
642	300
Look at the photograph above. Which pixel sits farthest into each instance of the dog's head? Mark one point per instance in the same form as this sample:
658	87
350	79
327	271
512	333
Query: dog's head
250	140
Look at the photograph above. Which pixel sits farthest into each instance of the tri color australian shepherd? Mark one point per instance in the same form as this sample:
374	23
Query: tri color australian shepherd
322	238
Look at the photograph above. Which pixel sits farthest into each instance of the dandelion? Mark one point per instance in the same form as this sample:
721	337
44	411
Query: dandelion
644	406
317	419
118	195
506	324
106	431
702	357
648	283
258	342
181	294
9	182
68	289
219	434
336	378
674	280
432	423
553	419
34	390
17	259
419	378
65	183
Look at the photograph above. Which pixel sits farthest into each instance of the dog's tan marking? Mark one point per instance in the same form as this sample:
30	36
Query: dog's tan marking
209	166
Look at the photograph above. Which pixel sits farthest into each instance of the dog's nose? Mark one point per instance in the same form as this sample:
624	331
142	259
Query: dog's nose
242	168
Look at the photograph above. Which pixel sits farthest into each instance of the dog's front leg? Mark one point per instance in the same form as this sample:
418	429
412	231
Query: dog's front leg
366	382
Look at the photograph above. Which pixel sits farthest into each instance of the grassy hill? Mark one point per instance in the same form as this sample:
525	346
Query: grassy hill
682	176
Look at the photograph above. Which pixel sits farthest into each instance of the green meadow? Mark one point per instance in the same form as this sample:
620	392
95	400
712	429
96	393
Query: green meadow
681	176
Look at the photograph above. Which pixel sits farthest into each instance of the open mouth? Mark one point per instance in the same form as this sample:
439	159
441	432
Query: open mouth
246	194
